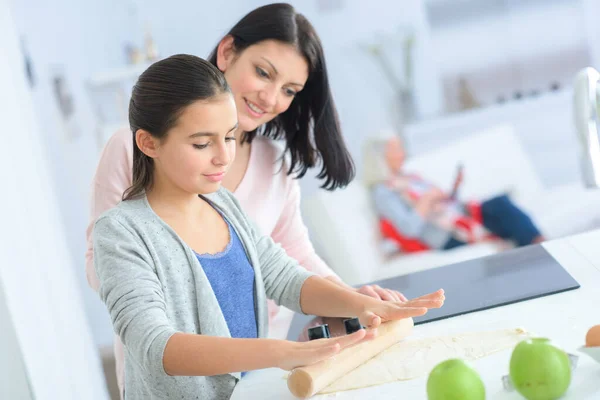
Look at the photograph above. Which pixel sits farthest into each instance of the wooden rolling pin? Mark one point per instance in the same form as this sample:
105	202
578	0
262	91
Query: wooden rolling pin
305	382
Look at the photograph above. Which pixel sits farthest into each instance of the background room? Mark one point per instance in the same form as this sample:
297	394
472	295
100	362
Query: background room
459	81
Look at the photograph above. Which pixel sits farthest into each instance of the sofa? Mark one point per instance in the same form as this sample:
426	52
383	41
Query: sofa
344	228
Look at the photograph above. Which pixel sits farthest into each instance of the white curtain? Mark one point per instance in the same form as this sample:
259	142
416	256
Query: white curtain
36	276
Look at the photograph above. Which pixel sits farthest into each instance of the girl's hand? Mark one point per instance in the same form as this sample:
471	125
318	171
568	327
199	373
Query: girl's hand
299	354
381	311
380	293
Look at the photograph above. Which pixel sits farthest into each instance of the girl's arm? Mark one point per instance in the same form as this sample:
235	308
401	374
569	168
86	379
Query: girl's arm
200	355
326	299
132	292
320	297
133	295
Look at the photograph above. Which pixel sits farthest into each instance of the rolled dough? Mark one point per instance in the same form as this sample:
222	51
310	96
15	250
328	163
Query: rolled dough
417	357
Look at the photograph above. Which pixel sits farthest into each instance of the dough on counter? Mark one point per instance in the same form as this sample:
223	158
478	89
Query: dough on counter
411	359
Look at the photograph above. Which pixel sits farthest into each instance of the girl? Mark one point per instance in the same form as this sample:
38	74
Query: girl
183	272
274	63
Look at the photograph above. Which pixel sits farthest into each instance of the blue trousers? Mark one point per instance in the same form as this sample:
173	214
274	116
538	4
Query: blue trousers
504	219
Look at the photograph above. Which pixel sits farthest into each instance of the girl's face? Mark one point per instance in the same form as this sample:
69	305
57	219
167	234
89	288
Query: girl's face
264	78
196	153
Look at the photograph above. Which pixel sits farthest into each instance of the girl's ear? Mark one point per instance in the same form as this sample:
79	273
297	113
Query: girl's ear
225	53
147	143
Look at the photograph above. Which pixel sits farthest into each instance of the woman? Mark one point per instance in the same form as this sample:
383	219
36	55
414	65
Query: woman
418	215
274	63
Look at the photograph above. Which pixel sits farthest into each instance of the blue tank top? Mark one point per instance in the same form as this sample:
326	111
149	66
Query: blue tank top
231	277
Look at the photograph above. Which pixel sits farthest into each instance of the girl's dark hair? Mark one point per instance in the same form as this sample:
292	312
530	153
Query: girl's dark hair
310	126
159	97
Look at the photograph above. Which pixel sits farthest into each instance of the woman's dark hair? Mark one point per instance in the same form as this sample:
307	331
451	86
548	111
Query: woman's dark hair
159	97
310	126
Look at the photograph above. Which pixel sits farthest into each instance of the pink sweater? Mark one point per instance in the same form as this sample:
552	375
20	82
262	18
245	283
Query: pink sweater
269	196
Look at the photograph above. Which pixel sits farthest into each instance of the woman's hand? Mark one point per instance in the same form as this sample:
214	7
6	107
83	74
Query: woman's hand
430	201
291	355
377	312
375	291
380	293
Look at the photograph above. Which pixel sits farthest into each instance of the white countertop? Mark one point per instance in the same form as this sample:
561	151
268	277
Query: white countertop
564	318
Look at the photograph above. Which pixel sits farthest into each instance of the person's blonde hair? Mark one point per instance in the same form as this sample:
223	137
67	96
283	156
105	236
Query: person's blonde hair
375	168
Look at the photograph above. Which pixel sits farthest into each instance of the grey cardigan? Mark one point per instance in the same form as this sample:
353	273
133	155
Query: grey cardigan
153	286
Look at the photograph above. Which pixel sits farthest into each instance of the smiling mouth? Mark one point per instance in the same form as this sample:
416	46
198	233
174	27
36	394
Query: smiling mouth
254	109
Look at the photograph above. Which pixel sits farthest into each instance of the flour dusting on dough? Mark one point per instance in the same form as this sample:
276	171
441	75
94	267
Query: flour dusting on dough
414	358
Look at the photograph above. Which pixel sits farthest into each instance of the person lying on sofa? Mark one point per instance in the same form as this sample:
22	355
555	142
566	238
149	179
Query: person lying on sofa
417	215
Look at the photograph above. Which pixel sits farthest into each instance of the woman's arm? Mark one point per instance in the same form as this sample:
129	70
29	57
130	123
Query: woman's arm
113	176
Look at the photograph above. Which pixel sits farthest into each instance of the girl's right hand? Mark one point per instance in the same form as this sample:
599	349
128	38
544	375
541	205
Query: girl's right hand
300	354
379	311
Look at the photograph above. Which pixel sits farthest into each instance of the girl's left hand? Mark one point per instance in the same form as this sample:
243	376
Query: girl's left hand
380	293
377	312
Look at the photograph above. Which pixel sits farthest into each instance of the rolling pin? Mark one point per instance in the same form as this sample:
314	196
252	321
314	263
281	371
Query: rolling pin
305	382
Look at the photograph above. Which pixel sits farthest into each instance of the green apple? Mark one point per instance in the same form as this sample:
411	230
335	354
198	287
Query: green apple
539	370
454	379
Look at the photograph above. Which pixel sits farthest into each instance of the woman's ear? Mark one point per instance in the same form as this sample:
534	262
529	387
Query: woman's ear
147	143
225	53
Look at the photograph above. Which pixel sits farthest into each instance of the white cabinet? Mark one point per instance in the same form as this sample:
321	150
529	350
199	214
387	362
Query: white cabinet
109	93
506	50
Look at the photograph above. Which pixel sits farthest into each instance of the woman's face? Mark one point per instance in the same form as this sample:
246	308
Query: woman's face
394	155
264	79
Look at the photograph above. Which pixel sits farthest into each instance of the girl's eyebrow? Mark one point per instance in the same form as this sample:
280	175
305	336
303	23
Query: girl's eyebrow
200	134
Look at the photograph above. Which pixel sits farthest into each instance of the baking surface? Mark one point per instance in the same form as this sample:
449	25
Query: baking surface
479	284
564	317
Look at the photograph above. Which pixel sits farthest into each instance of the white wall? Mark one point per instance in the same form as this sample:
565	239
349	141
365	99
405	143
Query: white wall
518	34
193	27
77	38
14	383
40	292
592	28
543	125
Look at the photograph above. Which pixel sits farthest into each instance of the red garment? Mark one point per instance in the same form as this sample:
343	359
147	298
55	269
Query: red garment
406	244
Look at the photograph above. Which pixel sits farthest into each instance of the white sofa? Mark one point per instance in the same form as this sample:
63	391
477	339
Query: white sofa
344	228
